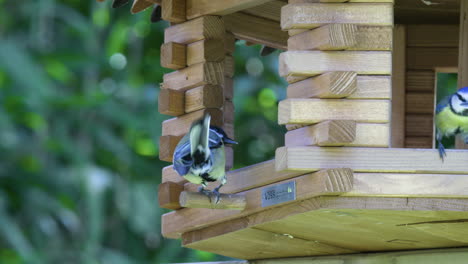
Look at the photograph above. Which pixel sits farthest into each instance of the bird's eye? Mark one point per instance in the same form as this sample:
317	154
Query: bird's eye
461	97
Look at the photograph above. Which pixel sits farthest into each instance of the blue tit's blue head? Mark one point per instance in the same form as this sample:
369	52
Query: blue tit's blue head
459	101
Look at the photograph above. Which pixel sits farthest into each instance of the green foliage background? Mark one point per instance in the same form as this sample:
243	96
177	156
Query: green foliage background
79	132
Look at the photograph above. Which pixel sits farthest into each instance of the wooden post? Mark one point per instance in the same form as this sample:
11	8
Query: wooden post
398	87
200	200
462	60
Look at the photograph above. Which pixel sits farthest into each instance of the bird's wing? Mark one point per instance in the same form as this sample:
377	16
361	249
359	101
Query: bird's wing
442	104
182	159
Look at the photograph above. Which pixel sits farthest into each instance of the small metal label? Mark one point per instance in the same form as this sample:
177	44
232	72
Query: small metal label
279	193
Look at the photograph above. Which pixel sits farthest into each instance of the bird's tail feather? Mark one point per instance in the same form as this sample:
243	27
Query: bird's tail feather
199	139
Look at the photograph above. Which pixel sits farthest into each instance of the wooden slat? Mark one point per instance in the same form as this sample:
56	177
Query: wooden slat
171	102
197	8
195	75
179	126
168	195
229	43
362	62
299	15
327	182
167	145
205	51
420	81
419	125
327	85
173	10
207	27
372	87
270	10
310	111
418	142
436	36
430	58
173	55
257	30
343	37
170	175
432	256
228	88
419	103
462	61
340	133
207	96
229	66
398	89
371	159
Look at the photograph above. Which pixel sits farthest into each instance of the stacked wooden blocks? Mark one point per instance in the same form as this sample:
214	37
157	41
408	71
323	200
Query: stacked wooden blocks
338	66
200	50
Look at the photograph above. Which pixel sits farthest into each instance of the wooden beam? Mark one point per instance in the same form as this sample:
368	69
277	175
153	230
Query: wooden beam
327	182
371	159
173	55
343	37
171	102
228	88
206	96
420	81
167	145
198	8
419	142
170	175
195	75
425	36
462	60
229	43
399	87
312	15
179	126
362	62
201	200
168	195
311	111
207	27
432	256
327	85
430	58
420	103
173	11
419	125
270	10
372	87
257	30
339	133
229	66
205	51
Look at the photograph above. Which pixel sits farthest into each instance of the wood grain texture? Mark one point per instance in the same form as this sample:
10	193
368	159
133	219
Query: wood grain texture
228	88
229	43
207	27
173	10
211	73
168	195
200	200
310	111
343	37
362	62
419	125
420	81
340	133
257	30
173	55
167	145
398	87
419	142
229	66
171	102
371	159
462	60
179	126
197	8
372	87
312	15
430	58
206	96
327	182
270	10
327	85
419	103
210	50
436	36
170	175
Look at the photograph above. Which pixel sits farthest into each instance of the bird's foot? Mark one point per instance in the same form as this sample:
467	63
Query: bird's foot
442	152
216	195
202	189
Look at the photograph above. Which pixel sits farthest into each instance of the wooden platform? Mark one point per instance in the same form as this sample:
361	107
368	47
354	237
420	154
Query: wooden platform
415	202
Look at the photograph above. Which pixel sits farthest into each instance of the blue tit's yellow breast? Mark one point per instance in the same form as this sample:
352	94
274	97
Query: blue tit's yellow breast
448	122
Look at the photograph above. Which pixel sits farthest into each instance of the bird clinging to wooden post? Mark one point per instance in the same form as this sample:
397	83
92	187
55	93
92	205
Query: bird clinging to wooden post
452	118
200	157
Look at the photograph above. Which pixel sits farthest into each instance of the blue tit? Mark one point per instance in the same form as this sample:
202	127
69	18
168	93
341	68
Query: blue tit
199	157
452	118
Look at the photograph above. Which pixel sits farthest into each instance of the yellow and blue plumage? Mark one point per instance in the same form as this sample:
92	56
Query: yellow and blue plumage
452	118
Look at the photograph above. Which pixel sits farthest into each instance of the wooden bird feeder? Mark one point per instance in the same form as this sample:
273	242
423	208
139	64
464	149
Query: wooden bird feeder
358	172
